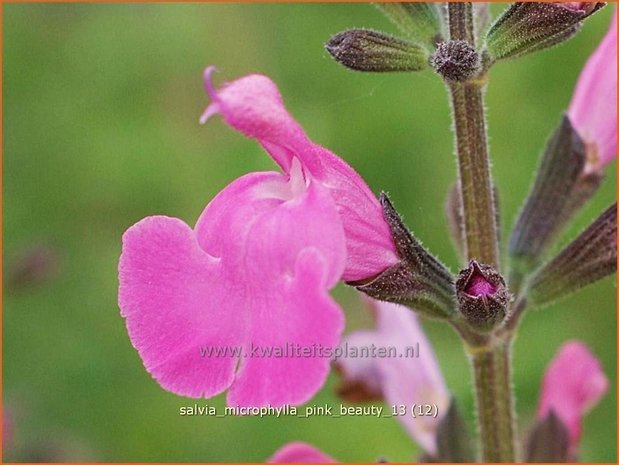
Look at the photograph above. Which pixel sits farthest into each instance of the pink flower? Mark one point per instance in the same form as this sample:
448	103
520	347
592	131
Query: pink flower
254	106
256	269
300	452
401	380
593	109
573	383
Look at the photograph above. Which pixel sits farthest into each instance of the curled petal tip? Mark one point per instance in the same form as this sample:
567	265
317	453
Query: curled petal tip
211	92
208	81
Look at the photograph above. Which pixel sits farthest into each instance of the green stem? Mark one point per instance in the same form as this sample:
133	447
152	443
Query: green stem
495	410
490	355
474	173
472	149
461	21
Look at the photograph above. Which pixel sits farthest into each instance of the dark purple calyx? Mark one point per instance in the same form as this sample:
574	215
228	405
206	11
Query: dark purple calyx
482	296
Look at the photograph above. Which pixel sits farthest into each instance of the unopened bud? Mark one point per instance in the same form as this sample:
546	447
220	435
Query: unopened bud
482	296
588	258
456	60
366	50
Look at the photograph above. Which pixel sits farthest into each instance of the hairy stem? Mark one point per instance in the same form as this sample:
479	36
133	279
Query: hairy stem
461	21
491	367
490	357
475	184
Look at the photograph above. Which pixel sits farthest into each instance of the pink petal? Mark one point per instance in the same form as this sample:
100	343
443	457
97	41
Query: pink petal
254	106
593	109
573	383
403	380
168	294
255	272
295	311
300	452
361	376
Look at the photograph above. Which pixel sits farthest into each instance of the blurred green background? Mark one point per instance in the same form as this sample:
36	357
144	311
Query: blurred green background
101	106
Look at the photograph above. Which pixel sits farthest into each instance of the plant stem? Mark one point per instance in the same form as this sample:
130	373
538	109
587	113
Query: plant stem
472	148
491	369
461	22
490	356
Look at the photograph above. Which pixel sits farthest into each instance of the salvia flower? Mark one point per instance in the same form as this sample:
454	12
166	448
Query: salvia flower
573	383
593	109
254	106
256	269
401	380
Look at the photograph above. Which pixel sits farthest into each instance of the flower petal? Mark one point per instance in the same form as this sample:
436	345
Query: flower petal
593	109
170	293
298	315
403	380
291	304
362	380
300	452
573	383
255	272
254	106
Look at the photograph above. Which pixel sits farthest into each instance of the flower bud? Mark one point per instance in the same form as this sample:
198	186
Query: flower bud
561	187
526	27
456	60
366	50
482	296
588	258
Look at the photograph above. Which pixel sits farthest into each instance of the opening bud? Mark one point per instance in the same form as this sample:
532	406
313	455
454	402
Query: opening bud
456	60
482	296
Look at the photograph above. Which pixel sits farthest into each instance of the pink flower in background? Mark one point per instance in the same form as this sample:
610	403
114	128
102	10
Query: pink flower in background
400	380
256	269
573	383
254	106
300	452
593	109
